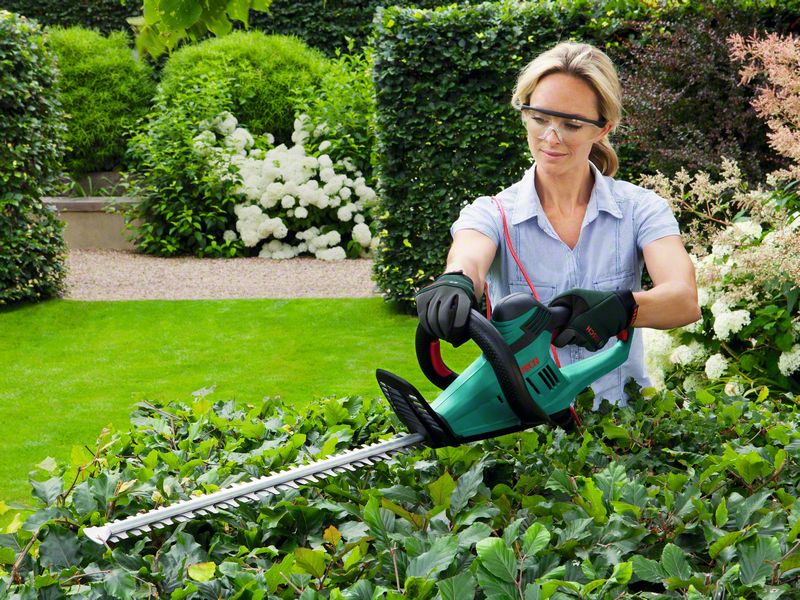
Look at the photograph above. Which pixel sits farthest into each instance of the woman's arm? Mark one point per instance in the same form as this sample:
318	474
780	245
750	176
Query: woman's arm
672	301
473	253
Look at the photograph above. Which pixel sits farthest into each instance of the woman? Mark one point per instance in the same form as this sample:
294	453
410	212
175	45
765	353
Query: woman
581	236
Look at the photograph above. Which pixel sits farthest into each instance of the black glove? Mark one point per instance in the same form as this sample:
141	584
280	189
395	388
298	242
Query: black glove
595	316
444	306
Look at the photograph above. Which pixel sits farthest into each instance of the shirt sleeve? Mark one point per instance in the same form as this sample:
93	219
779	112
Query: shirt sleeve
654	220
482	215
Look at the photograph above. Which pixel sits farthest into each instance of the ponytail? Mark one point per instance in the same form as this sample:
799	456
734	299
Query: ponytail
604	157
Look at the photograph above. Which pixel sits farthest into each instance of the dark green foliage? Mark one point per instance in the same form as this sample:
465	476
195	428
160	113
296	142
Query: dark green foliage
31	144
446	130
327	24
185	206
262	71
343	100
105	15
104	92
693	498
684	105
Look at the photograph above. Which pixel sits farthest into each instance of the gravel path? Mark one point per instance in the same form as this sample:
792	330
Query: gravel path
120	275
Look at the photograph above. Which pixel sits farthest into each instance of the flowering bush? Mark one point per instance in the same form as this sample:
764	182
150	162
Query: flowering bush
296	201
749	335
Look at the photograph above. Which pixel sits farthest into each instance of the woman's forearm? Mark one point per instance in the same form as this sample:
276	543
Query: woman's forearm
666	306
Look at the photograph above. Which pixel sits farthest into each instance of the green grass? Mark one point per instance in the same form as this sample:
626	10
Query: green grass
71	368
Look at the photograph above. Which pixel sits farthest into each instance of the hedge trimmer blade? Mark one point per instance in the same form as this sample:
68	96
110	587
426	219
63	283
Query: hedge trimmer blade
250	491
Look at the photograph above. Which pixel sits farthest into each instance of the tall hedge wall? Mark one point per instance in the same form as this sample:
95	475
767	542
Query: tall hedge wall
326	24
446	130
31	145
105	15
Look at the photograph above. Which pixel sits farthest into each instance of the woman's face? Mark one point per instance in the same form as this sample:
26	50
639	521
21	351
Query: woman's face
566	144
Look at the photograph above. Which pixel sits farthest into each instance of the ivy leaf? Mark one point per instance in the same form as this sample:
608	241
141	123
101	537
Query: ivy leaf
59	550
674	562
457	588
48	491
119	584
756	560
498	559
434	561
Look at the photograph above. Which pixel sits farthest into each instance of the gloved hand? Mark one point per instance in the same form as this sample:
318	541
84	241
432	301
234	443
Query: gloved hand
595	316
443	307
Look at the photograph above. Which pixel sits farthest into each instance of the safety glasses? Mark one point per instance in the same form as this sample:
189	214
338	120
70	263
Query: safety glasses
569	128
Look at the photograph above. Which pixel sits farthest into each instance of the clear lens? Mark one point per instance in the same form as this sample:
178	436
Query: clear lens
569	131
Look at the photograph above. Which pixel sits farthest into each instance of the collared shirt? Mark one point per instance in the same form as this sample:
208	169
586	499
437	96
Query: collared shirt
621	219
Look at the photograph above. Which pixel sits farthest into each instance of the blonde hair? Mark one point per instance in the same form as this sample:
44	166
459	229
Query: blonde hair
595	68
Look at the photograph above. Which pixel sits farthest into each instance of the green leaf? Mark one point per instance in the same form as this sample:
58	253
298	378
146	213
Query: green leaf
179	14
498	559
622	572
59	550
311	561
434	561
48	491
459	587
674	562
724	542
559	481
535	539
647	569
721	514
238	9
380	521
441	489
467	487
202	571
757	560
119	584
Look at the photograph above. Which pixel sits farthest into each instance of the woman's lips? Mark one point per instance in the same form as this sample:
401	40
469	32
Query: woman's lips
552	154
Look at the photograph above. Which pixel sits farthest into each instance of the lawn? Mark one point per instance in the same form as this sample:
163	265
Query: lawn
70	368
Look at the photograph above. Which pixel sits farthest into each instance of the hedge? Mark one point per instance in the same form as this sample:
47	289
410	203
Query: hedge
31	144
104	91
457	66
104	15
327	24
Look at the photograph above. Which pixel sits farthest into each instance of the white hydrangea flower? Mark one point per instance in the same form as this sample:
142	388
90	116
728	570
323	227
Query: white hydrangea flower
362	234
359	218
682	355
335	253
301	212
747	229
727	323
703	296
734	388
270	139
345	213
345	192
326	174
692	382
225	123
239	140
324	146
287	201
325	162
720	306
789	362
230	236
716	366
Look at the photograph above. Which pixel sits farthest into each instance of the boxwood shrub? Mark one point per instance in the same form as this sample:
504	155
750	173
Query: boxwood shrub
263	71
31	144
104	92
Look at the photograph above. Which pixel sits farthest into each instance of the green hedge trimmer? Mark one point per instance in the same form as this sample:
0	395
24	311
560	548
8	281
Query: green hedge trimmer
515	384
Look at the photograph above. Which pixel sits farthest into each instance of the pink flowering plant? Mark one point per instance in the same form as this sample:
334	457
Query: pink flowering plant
746	250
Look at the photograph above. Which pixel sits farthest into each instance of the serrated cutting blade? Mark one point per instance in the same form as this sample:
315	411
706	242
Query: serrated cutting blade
250	491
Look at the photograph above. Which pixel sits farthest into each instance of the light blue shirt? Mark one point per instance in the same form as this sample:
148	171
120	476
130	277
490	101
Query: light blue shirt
621	220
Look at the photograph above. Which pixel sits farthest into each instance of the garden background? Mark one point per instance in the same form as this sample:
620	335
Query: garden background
352	129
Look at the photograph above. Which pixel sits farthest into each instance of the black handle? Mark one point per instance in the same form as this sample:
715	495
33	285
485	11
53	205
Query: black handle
498	355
